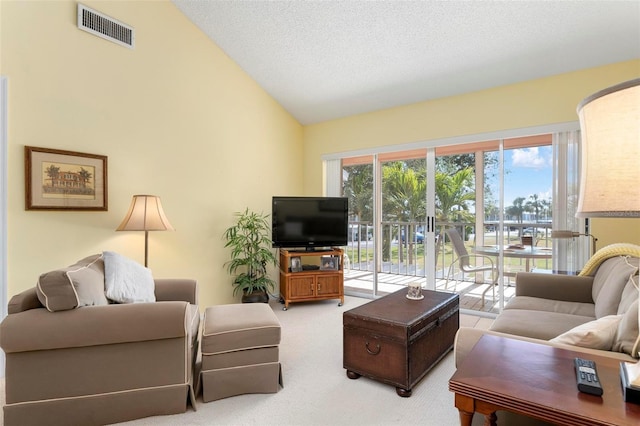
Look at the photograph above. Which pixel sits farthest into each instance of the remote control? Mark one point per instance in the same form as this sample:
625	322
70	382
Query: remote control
587	377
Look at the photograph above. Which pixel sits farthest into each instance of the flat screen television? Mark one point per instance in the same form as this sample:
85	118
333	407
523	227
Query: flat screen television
309	222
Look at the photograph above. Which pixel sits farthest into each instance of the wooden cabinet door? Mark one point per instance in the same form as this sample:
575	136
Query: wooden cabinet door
328	284
301	287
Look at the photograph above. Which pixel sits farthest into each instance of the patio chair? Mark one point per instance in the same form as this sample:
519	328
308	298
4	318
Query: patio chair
465	260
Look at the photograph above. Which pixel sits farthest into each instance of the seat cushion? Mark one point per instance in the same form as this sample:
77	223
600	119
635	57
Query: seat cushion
549	305
240	358
239	326
536	324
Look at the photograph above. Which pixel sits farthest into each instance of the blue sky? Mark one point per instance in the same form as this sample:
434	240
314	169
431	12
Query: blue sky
528	171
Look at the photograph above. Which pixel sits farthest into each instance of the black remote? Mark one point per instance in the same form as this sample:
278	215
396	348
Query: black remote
587	377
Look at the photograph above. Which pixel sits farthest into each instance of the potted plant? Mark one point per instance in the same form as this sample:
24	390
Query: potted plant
251	253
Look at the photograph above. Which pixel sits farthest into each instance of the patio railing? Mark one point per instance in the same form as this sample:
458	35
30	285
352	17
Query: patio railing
403	245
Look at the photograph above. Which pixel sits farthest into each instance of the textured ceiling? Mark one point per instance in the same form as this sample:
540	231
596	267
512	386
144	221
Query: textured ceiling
329	59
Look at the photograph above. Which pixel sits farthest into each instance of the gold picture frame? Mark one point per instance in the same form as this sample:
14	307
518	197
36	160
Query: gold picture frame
65	180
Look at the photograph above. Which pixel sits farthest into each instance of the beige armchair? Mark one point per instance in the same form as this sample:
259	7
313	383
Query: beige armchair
100	364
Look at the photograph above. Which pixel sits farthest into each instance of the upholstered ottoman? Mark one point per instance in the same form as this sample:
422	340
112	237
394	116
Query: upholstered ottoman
240	350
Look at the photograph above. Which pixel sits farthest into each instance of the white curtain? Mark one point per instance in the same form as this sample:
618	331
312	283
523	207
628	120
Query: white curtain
333	178
3	207
570	254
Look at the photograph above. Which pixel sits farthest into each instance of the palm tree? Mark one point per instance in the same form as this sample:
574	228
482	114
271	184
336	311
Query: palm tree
53	172
517	209
85	177
404	190
358	188
534	205
454	194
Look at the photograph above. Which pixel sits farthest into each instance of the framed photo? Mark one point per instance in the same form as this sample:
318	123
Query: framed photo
296	264
329	263
64	180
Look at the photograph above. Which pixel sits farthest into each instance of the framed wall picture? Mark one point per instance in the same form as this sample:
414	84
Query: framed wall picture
329	263
296	264
64	180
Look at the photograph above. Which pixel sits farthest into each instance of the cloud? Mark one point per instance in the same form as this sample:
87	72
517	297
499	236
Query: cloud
529	157
546	195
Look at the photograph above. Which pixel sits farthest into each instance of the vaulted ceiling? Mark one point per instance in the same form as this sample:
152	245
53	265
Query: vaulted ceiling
329	59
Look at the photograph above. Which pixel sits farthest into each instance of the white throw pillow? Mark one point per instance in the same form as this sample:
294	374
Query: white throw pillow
598	334
126	281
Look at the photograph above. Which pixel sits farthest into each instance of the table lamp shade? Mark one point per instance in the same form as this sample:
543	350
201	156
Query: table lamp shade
610	149
145	214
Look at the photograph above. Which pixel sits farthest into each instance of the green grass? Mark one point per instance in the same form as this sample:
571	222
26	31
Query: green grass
444	260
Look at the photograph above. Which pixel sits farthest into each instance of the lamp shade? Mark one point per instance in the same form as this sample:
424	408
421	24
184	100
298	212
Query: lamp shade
145	214
610	147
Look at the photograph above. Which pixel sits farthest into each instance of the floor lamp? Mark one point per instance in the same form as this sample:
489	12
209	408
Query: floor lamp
574	234
610	170
145	214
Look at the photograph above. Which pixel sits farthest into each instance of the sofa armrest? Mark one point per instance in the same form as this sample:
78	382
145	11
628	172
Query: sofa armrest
24	301
570	288
168	289
39	329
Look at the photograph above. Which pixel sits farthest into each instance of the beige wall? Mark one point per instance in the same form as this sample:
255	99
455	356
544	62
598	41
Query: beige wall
176	118
610	231
532	103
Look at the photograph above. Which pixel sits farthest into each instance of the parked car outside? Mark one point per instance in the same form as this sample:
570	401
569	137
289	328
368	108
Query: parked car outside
418	237
529	231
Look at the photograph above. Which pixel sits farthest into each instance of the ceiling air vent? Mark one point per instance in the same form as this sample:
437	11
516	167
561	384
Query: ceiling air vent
103	26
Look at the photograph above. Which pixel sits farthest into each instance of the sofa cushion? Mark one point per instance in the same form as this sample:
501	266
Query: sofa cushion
627	336
629	295
549	305
81	284
609	282
126	281
536	324
597	334
467	337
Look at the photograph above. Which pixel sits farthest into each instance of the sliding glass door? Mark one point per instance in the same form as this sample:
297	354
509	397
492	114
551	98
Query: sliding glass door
498	193
358	185
390	238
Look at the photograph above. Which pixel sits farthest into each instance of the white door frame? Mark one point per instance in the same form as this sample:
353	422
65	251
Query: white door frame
3	207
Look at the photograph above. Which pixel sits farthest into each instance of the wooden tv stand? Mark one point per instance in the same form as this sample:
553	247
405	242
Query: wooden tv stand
325	282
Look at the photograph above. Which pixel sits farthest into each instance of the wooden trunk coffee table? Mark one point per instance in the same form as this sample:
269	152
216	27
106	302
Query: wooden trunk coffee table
537	381
396	340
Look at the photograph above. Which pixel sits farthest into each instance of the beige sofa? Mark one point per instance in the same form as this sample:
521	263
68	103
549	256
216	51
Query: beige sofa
100	364
593	313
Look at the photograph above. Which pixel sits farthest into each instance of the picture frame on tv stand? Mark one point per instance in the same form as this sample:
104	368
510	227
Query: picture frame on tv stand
329	263
296	264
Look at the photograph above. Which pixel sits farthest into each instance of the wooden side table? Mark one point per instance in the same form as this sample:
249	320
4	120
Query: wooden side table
537	381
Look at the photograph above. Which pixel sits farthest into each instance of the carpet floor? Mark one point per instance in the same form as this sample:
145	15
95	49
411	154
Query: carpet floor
316	389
